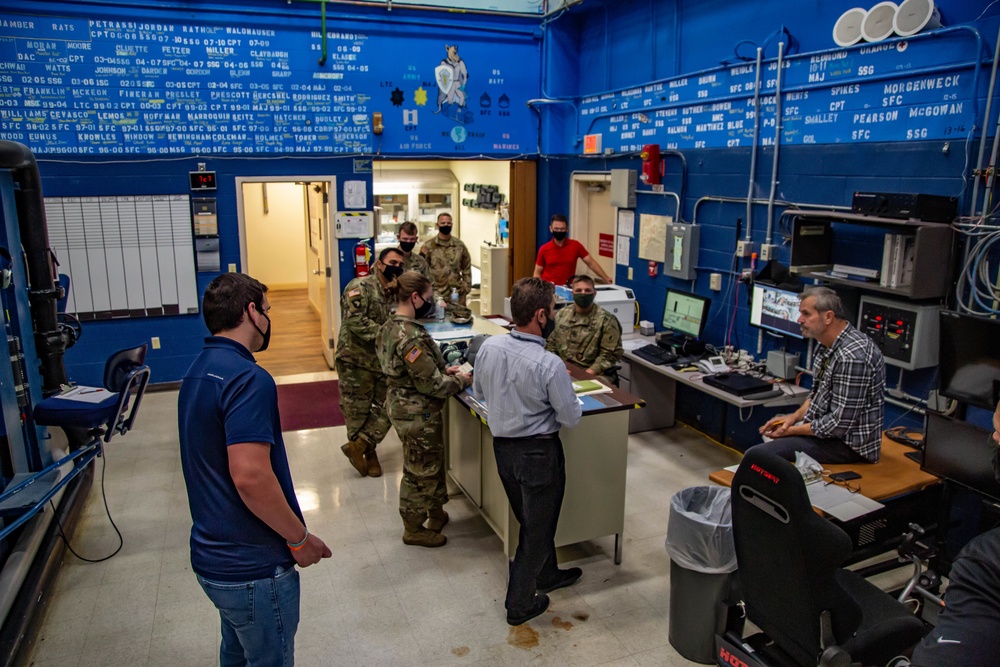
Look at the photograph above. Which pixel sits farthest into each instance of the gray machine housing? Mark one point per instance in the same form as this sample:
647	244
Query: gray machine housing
910	345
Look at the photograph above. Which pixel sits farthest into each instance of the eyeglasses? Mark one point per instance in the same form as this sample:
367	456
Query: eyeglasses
851	486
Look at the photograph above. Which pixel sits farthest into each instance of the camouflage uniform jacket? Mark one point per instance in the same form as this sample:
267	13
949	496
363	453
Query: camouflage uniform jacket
414	369
589	340
417	262
364	307
450	266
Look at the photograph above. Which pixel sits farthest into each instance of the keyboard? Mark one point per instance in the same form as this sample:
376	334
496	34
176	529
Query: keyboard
655	354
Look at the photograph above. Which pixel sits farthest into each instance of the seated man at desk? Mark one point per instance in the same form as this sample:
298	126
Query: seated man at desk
968	630
586	335
841	421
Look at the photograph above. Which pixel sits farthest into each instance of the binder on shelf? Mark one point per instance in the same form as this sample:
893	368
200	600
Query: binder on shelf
887	259
898	255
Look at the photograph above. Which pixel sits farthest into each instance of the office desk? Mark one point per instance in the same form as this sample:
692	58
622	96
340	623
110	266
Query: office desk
596	460
658	386
908	493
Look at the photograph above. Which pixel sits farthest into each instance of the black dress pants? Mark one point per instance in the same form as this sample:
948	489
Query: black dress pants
533	473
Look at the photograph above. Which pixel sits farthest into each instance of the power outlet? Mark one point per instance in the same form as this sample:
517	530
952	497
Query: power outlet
744	248
155	340
768	252
232	268
715	282
630	273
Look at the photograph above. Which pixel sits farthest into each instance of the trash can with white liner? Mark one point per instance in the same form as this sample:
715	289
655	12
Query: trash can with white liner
702	560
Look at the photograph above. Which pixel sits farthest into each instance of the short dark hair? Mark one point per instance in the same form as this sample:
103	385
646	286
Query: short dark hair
227	298
582	278
445	213
408	228
528	296
825	299
558	217
386	251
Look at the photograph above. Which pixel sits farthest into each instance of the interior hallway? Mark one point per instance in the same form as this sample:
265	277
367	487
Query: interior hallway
377	601
295	341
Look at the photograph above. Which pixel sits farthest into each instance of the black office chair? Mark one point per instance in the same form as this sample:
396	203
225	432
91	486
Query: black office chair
814	611
125	374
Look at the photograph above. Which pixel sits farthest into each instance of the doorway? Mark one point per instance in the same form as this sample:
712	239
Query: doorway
592	219
285	241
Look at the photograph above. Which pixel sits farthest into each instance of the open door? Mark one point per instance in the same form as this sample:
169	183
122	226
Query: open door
329	280
592	219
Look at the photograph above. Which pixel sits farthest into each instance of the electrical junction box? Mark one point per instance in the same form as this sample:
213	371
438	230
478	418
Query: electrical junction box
623	188
682	250
906	334
781	364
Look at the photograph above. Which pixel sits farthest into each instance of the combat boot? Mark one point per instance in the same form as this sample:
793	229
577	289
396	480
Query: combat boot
414	533
436	519
374	467
355	453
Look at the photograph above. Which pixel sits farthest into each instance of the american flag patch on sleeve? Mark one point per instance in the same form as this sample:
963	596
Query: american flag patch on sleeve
413	355
354	292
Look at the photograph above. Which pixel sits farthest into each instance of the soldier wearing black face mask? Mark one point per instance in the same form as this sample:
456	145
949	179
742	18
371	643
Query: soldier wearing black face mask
365	307
414	261
586	335
968	629
449	261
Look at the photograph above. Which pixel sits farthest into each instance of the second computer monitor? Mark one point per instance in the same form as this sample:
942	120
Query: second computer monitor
685	313
776	310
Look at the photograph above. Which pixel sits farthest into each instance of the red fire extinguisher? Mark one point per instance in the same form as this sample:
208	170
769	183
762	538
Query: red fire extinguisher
361	267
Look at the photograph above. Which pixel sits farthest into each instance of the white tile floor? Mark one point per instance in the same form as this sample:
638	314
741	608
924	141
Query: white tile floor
377	601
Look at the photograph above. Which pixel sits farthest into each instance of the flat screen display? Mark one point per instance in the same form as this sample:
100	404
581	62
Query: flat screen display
685	313
960	452
969	358
776	310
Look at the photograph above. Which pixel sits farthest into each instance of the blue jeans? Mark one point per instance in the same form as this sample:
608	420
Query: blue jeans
259	619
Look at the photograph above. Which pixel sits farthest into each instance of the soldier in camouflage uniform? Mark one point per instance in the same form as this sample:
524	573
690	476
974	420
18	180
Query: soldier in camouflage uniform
419	383
450	262
364	308
586	335
414	261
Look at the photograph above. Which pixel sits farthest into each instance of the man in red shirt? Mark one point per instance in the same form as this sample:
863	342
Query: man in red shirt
556	261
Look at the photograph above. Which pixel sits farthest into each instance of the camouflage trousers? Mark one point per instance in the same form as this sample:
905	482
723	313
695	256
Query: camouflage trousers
423	486
362	400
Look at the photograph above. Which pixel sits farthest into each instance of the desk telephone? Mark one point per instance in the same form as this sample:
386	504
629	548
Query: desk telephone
713	365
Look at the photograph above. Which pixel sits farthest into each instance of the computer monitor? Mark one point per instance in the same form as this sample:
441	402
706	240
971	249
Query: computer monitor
960	452
685	313
969	359
775	310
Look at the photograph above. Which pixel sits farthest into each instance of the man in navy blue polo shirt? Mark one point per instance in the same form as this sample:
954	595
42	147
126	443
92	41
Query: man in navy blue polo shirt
248	532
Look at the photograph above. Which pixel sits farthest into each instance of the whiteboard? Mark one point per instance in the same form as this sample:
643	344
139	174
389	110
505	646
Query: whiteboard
129	256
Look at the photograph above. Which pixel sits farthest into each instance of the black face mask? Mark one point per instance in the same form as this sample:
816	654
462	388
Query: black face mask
392	272
559	236
265	334
425	310
445	229
584	300
407	246
548	327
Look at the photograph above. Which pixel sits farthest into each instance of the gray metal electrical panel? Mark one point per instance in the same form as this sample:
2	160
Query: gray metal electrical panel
906	334
682	250
623	188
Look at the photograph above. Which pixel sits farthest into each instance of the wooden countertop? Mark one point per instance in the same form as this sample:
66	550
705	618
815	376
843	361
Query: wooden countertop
894	474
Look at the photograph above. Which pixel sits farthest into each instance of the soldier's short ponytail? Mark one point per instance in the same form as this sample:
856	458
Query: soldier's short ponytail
405	285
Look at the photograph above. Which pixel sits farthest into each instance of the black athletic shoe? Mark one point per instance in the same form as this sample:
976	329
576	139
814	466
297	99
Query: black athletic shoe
565	578
537	608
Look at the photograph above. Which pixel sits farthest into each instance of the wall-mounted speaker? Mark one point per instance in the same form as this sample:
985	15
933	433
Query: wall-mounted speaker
916	15
847	29
878	25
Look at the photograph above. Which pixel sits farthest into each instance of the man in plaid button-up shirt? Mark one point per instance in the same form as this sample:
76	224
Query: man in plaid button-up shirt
841	421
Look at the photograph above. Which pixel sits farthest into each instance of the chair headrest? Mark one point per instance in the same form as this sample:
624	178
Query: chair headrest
120	364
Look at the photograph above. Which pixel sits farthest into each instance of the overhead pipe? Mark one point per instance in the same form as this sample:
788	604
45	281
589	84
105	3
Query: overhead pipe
50	341
778	126
756	139
760	202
